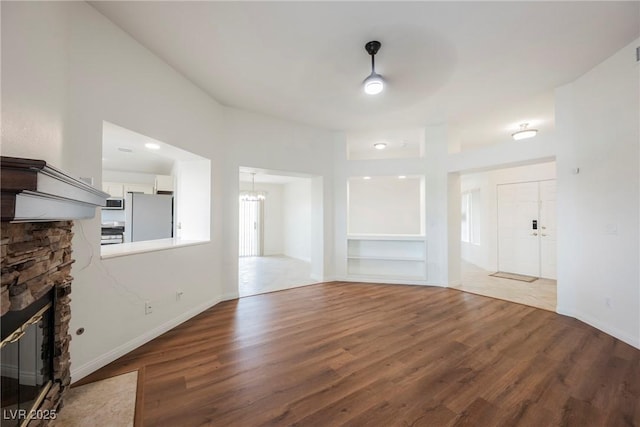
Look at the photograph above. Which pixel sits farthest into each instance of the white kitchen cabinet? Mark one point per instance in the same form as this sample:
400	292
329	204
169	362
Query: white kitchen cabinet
115	189
164	183
138	188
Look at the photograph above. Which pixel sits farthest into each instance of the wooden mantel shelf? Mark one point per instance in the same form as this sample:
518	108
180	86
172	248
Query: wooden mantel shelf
32	191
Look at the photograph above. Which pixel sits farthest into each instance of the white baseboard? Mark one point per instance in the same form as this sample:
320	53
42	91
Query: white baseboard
598	324
105	359
365	279
229	296
608	329
565	311
320	279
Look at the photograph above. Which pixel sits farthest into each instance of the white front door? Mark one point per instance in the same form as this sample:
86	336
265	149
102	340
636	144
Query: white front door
548	229
527	228
518	242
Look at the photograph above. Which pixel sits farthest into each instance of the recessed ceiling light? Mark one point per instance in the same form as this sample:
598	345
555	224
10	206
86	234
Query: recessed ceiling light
125	150
524	132
380	145
366	177
402	177
152	146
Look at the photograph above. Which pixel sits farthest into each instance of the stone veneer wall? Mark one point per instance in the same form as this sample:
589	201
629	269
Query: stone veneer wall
36	257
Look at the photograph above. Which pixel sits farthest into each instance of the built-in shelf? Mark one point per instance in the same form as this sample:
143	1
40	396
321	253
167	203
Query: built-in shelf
386	257
397	237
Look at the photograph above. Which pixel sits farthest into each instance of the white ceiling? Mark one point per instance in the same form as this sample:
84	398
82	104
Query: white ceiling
401	143
124	150
459	62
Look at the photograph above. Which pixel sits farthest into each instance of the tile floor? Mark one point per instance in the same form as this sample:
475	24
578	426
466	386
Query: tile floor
107	403
261	274
258	275
540	293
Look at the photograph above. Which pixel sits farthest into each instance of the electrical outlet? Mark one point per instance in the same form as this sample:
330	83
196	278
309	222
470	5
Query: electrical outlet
611	228
179	293
148	309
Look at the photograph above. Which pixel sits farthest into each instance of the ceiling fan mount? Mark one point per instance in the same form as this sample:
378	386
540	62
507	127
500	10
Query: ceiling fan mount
372	47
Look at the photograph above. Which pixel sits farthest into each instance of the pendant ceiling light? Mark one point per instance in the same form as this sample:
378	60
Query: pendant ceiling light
374	84
253	195
524	132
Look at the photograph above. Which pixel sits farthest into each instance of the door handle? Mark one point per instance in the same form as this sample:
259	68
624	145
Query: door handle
543	235
534	234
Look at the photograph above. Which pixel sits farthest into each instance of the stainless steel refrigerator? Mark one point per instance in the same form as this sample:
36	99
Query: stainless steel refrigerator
148	217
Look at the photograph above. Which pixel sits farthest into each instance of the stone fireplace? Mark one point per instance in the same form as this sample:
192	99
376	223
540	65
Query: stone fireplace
36	265
38	205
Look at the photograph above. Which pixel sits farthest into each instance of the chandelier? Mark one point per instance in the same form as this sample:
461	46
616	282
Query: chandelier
253	195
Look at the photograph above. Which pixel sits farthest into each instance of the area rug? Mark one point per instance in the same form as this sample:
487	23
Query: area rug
514	276
107	403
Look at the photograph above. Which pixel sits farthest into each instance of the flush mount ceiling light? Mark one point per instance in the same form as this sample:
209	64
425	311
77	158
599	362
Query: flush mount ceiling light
524	132
380	145
152	146
253	195
366	177
374	84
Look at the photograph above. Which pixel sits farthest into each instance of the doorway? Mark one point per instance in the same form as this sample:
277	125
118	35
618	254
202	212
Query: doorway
275	233
498	233
526	228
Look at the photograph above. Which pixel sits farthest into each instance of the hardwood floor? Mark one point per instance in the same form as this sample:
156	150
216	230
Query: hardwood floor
383	355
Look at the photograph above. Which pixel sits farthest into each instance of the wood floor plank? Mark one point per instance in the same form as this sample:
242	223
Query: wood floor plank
382	355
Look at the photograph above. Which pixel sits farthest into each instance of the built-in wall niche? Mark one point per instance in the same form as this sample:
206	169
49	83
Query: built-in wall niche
386	205
394	144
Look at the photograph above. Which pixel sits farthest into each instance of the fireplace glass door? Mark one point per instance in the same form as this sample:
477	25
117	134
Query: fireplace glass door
26	366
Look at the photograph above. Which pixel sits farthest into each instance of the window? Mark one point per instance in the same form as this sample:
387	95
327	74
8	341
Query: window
250	226
470	217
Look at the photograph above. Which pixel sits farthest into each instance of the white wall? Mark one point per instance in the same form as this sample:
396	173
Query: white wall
34	81
485	254
438	209
273	240
193	199
297	219
385	205
597	117
128	177
258	142
65	70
